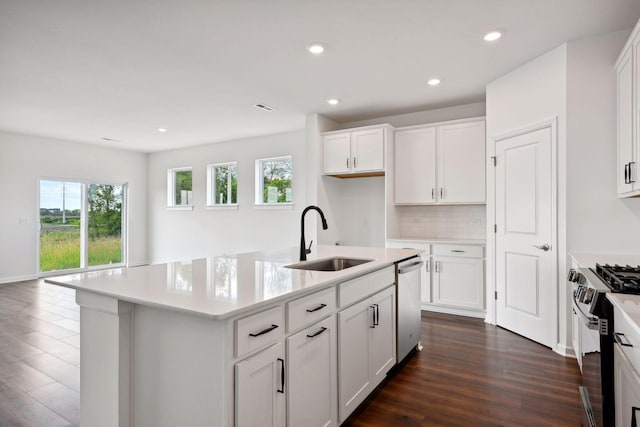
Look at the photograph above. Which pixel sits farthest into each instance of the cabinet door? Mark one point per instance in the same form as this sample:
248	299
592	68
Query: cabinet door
337	153
367	150
260	399
425	280
458	282
461	163
353	358
415	166
382	351
312	385
626	385
625	123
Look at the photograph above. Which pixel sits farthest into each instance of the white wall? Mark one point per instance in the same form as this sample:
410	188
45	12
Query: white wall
24	160
577	83
597	221
528	95
178	235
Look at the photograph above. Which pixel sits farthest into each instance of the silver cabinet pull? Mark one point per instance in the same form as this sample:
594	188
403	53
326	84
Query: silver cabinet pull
433	193
457	250
441	193
545	247
355	165
437	266
347	163
621	339
427	265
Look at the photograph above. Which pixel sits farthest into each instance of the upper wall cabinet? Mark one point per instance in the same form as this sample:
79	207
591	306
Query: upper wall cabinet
628	111
356	152
440	164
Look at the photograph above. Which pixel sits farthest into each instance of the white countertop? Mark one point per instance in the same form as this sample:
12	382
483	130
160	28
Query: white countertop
224	286
629	305
440	240
586	260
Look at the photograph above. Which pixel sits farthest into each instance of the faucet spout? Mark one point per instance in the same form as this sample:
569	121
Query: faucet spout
303	245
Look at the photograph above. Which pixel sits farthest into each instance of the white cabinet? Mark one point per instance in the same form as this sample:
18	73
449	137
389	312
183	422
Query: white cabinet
260	388
312	379
415	166
626	385
440	164
355	152
366	339
458	282
628	113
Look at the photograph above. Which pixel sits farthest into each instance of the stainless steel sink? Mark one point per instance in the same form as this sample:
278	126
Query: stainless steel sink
329	264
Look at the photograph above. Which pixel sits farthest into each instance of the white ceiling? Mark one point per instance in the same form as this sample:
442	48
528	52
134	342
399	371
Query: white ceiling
84	70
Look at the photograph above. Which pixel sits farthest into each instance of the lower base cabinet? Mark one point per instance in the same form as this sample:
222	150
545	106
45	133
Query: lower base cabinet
458	282
366	340
260	398
312	376
626	390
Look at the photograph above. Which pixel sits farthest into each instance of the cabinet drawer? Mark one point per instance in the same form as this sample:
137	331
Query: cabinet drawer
364	286
628	338
458	250
259	330
308	309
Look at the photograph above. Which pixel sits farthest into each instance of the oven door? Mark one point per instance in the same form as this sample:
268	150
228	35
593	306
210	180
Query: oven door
586	327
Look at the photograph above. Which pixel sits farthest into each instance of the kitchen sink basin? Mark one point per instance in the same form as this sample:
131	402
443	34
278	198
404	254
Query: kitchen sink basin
329	264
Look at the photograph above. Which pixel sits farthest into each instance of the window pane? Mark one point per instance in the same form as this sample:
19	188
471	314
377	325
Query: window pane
59	225
225	185
104	204
183	187
277	176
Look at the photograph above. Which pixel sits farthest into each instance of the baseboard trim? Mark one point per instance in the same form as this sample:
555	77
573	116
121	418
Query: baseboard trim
17	278
565	351
453	310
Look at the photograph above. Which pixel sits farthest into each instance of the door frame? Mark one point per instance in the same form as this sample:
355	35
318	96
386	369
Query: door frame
84	228
552	123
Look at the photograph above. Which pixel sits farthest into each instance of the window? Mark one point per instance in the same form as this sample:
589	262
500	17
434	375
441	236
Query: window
222	184
273	181
179	187
81	225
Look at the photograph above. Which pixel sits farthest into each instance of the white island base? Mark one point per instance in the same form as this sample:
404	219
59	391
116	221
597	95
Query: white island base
235	340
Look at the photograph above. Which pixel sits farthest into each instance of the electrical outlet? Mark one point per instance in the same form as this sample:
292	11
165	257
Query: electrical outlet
23	220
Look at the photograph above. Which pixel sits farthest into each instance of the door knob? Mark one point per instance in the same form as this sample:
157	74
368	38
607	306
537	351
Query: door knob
543	247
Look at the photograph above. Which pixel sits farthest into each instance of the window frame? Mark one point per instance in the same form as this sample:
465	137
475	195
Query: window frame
259	181
171	188
211	201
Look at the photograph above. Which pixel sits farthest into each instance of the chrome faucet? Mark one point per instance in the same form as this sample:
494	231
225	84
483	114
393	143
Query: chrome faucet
303	245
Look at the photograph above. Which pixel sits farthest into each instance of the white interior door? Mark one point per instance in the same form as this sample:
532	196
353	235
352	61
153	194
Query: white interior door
525	251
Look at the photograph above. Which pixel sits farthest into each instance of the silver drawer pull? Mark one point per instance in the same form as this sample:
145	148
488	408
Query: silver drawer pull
457	250
621	339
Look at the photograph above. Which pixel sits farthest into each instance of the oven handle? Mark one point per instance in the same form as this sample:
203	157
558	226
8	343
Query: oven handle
592	322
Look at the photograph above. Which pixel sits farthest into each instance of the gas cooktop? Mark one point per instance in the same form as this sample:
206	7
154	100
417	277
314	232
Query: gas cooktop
624	279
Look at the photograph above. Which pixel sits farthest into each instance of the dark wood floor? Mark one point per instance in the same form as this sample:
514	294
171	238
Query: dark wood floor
474	374
470	373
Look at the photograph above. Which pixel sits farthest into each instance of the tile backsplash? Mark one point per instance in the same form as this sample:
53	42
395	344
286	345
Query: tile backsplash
451	221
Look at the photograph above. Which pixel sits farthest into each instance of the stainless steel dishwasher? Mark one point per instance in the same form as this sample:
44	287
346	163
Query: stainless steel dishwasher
408	294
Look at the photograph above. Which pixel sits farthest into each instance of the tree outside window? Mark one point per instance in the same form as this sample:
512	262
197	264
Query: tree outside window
222	184
180	187
274	180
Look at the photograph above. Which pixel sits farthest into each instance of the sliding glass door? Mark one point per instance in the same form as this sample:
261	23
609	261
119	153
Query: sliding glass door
81	225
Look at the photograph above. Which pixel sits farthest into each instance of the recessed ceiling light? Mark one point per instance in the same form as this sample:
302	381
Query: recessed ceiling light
163	130
333	101
316	48
492	36
434	82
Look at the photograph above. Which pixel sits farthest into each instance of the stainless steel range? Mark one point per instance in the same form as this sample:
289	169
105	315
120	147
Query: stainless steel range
593	335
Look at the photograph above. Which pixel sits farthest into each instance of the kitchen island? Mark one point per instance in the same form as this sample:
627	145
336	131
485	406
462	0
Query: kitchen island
235	340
